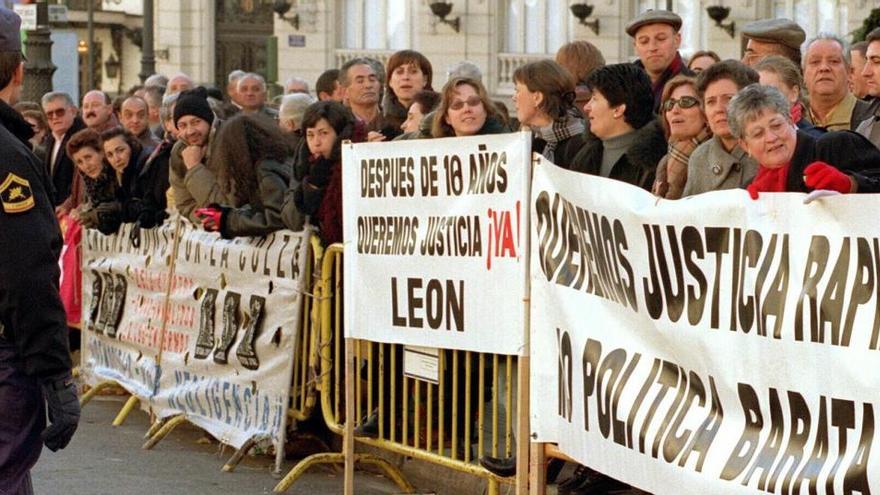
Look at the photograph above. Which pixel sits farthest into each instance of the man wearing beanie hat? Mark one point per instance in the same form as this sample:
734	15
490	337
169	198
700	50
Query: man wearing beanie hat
656	38
193	184
35	365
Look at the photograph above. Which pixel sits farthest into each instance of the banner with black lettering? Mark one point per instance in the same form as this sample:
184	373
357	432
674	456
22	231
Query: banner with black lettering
709	345
234	310
124	288
435	233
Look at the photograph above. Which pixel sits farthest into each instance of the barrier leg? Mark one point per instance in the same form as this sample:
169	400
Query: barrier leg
238	456
348	432
523	434
129	406
167	428
389	470
88	396
537	470
154	427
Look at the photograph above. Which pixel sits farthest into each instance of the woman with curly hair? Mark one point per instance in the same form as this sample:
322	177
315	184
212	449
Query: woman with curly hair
316	187
544	99
253	162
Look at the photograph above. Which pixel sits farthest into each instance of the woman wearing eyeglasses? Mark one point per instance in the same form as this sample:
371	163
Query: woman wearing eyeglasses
544	99
685	127
466	110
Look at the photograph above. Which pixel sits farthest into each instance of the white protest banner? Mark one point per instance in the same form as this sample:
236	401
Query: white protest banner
124	289
435	237
709	345
234	316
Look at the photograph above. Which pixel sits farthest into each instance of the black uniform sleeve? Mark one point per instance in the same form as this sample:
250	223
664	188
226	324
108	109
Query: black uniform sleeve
30	305
854	155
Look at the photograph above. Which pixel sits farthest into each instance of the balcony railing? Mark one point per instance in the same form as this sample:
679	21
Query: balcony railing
507	65
343	55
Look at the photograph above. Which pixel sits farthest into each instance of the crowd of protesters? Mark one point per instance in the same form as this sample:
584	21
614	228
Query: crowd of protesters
792	115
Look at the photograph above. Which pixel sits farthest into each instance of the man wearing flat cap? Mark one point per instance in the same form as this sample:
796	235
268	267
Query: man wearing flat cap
35	365
767	37
656	38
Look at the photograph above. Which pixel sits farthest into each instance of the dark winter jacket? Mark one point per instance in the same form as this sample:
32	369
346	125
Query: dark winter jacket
62	172
638	164
151	187
850	152
263	216
566	150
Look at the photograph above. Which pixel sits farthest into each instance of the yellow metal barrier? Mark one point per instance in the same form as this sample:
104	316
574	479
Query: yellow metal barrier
306	368
468	414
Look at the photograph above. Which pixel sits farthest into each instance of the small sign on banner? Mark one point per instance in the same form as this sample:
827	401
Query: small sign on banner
296	40
422	363
28	14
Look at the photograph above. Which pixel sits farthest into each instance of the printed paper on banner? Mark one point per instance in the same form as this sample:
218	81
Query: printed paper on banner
708	345
230	339
436	235
123	296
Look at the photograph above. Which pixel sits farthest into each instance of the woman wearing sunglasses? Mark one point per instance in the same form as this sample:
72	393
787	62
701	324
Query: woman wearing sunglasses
465	110
685	128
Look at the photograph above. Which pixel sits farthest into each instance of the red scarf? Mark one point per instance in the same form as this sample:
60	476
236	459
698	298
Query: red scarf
797	112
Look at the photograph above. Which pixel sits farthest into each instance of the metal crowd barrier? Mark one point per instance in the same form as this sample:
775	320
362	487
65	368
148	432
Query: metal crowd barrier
469	413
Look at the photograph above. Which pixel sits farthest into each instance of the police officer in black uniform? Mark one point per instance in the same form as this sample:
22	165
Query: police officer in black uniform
34	356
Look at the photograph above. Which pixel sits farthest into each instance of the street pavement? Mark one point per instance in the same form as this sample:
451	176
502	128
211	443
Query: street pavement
103	459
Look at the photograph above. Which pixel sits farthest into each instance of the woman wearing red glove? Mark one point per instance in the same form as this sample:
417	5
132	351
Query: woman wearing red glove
793	161
253	160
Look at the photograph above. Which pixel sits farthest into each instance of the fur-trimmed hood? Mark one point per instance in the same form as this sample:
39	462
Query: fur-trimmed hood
637	165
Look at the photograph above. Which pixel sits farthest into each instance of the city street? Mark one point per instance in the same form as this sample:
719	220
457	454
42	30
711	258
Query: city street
104	460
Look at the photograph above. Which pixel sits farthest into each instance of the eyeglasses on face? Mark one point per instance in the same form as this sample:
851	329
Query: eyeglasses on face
683	103
56	114
473	101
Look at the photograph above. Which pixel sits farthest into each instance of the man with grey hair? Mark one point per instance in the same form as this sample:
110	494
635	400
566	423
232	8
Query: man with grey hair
296	85
465	68
251	92
362	86
157	80
153	96
232	86
180	82
61	114
793	161
290	116
826	74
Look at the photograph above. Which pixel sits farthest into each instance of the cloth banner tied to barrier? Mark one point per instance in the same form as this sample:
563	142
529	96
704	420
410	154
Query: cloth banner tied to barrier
714	345
435	228
222	352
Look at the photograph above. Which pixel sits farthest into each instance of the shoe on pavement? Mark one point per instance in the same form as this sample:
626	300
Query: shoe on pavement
503	467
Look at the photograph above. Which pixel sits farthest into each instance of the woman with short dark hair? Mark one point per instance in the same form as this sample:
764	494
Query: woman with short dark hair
406	73
253	163
95	205
625	141
124	153
544	100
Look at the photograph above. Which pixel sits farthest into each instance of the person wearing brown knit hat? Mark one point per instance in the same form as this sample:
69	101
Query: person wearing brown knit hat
193	182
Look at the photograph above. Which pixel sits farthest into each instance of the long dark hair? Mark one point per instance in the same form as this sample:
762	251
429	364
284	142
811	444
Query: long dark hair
242	142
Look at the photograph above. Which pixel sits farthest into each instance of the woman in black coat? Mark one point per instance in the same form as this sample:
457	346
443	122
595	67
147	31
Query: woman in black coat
624	140
790	160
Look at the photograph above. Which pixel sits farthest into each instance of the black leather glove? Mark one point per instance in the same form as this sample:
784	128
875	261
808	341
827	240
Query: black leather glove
63	406
319	172
135	235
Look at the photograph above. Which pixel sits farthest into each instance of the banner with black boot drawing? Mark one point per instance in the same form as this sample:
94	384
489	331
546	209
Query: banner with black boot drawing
437	229
709	345
223	355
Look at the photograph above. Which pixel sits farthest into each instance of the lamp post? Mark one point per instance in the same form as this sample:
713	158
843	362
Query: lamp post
148	57
90	70
38	48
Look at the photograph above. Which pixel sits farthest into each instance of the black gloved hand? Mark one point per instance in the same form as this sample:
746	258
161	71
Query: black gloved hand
64	411
135	235
320	171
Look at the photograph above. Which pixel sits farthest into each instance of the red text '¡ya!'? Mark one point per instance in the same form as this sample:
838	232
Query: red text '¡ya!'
504	229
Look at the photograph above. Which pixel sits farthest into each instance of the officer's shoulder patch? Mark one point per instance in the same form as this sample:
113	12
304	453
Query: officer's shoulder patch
16	195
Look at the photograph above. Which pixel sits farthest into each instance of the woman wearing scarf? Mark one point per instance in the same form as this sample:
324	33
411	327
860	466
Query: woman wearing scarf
544	98
791	160
685	127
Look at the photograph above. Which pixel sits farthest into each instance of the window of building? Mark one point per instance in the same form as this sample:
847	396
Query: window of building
815	16
536	26
375	24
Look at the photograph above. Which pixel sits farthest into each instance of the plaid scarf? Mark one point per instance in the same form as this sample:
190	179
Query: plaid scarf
559	130
675	174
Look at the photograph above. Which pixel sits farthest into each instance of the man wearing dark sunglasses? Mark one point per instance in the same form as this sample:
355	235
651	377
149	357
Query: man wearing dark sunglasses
63	122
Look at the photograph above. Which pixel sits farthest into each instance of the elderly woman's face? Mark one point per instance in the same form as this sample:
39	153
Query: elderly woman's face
683	113
770	138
